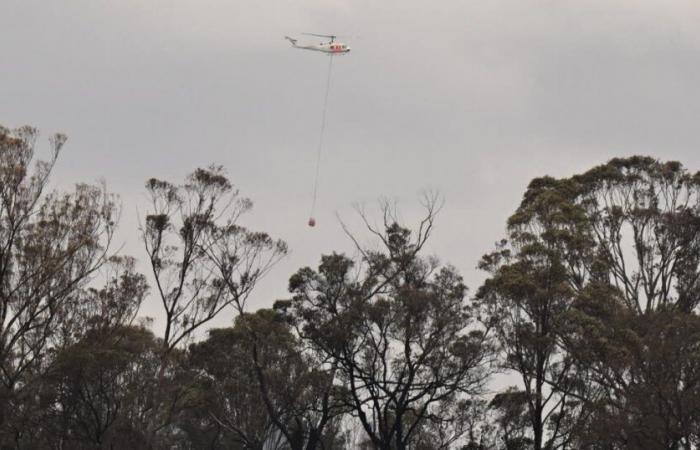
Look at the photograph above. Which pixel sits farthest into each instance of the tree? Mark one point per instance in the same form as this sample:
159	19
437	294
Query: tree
398	330
644	374
631	223
512	417
51	244
91	392
528	290
626	236
460	421
201	258
96	392
260	390
109	307
234	401
202	261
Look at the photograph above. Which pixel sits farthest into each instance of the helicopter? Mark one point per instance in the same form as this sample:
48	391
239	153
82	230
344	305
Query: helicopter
331	47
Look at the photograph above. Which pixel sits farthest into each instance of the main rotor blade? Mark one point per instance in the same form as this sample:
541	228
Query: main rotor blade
329	36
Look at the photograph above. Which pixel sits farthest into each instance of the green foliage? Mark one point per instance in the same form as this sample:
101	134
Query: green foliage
591	299
596	268
399	331
51	246
259	388
100	388
201	258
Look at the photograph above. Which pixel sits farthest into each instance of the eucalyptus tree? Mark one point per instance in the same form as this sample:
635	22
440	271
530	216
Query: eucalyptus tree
260	390
51	246
636	226
202	259
528	289
397	328
228	412
96	392
626	236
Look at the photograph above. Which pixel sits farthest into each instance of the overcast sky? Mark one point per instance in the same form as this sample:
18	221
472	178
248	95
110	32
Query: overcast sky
471	98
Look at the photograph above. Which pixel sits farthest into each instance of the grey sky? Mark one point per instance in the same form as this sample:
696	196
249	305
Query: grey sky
471	98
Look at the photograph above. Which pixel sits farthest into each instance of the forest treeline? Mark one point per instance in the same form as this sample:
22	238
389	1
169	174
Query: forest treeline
584	334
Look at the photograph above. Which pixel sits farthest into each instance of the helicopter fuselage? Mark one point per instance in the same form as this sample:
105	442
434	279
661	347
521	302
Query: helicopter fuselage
331	48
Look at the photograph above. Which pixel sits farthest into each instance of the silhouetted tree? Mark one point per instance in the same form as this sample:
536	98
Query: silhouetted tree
202	261
398	330
626	234
262	390
98	390
528	290
51	245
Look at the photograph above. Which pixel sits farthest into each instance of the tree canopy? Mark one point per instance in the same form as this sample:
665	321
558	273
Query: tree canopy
588	311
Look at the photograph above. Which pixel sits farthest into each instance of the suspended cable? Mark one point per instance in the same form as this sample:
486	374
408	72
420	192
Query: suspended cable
319	151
